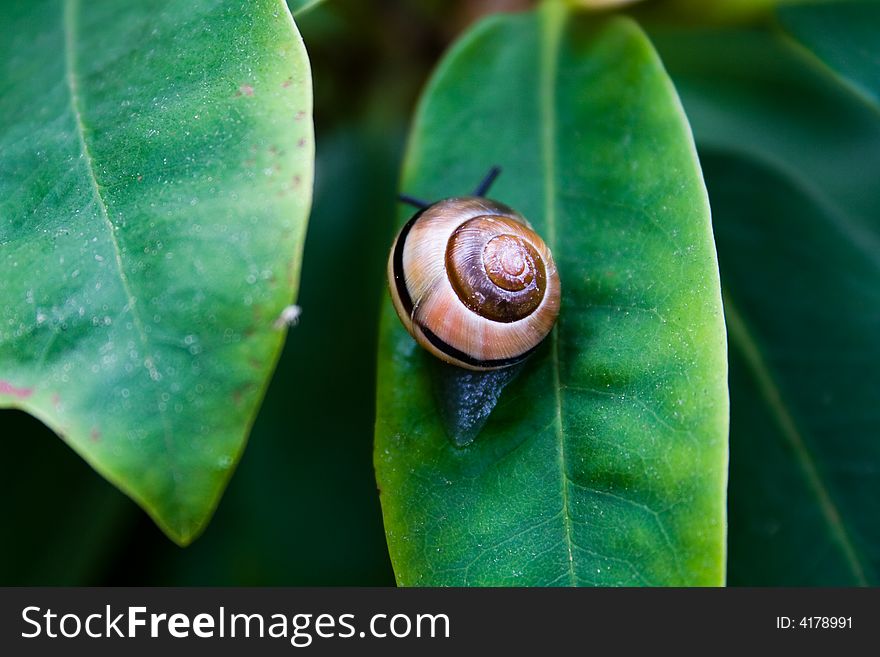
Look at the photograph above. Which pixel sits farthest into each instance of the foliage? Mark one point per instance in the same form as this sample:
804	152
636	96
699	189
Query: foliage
154	201
605	462
782	97
789	134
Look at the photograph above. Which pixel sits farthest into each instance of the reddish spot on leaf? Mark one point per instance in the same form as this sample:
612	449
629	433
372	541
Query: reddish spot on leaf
287	83
95	435
246	90
7	388
239	394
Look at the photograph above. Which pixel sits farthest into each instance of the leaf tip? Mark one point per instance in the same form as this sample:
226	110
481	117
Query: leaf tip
185	532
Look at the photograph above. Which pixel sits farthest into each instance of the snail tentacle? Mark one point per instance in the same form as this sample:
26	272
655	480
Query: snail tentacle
486	183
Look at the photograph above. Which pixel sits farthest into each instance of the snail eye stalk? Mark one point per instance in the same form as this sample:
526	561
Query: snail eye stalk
481	190
485	184
413	201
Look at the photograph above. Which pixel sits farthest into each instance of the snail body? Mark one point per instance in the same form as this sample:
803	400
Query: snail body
473	283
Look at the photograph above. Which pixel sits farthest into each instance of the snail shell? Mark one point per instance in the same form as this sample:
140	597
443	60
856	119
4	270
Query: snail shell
473	283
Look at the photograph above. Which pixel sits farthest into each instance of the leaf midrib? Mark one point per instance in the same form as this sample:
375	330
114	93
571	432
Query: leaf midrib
70	9
549	54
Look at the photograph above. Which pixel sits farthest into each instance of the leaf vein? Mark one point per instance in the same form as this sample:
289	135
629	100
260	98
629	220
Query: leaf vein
655	515
549	64
70	9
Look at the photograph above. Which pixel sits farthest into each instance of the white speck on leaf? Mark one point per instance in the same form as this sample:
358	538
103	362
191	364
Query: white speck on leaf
288	317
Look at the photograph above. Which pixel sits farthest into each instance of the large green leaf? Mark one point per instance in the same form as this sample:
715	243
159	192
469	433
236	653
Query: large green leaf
154	188
791	158
801	300
325	482
605	461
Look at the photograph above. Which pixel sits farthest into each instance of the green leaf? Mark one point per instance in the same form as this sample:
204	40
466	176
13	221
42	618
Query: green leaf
803	502
791	158
845	37
605	460
154	189
326	482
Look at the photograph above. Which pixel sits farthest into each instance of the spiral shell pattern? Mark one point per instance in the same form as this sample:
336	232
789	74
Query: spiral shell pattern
473	283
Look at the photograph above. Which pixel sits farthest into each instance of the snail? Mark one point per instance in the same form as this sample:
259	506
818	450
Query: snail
472	282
